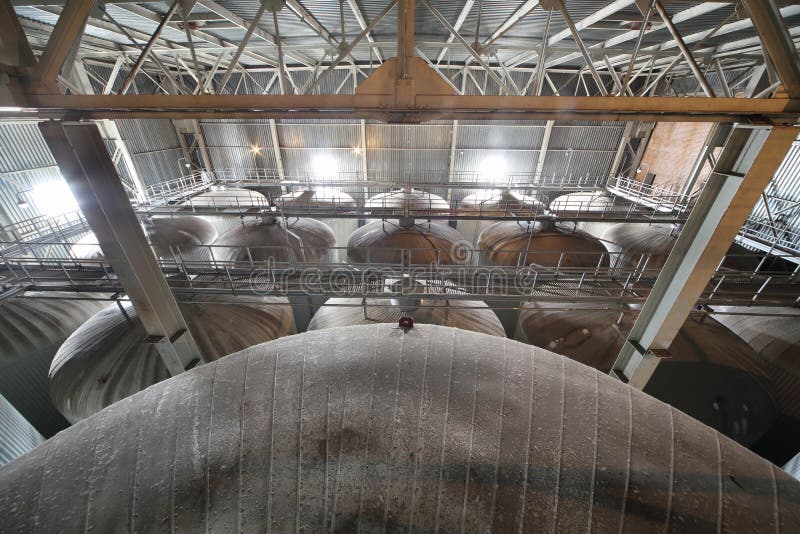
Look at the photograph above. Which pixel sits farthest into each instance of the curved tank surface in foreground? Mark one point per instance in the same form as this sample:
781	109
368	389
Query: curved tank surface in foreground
370	429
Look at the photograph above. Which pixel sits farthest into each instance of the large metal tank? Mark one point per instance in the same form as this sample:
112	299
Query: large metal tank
495	202
180	237
419	243
279	239
17	435
373	429
773	333
545	243
322	200
711	374
631	244
415	202
108	357
471	315
32	328
644	246
593	202
222	200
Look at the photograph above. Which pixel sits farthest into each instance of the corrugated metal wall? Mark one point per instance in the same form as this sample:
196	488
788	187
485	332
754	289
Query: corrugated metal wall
17	436
154	147
783	194
25	163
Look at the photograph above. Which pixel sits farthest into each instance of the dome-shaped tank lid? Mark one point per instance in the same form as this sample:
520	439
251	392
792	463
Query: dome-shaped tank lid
292	239
421	242
471	315
184	232
433	426
504	201
326	198
631	241
413	200
546	242
406	301
583	202
222	197
109	358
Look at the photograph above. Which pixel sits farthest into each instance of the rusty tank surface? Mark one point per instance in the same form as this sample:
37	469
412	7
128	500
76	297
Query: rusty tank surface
373	429
711	374
421	243
108	358
276	238
546	243
495	202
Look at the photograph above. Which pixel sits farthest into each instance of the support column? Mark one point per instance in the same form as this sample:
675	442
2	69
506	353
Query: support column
745	167
85	164
548	131
623	144
109	130
715	139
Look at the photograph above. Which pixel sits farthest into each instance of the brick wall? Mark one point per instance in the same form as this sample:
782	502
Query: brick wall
672	151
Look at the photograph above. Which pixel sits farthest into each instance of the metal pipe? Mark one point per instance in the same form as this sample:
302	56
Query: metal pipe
696	70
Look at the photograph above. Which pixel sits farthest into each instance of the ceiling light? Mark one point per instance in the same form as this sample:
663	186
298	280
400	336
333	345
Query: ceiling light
21	202
493	169
324	166
357	150
255	149
53	198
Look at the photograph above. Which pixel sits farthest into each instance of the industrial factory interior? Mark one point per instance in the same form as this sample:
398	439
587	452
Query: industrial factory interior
399	265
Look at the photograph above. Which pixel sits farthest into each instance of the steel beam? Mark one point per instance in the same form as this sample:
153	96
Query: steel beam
148	47
626	138
84	161
426	107
109	131
745	167
778	43
14	47
462	16
67	32
579	41
687	54
276	147
548	131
